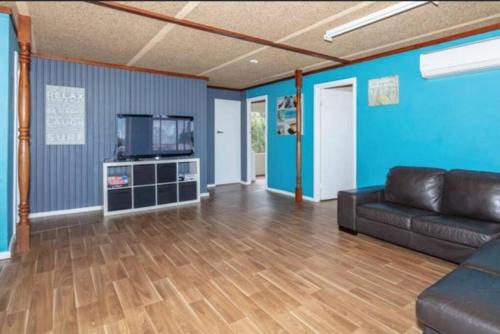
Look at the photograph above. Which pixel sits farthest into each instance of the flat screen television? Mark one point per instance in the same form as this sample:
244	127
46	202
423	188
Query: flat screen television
146	136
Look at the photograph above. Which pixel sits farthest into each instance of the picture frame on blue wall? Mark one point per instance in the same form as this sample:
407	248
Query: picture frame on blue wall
286	115
383	91
65	122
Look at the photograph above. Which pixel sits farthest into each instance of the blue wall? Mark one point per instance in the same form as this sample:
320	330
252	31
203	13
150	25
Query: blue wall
224	94
8	45
70	176
449	122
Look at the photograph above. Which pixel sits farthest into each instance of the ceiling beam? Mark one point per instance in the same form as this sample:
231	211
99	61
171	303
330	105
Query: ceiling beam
295	34
214	30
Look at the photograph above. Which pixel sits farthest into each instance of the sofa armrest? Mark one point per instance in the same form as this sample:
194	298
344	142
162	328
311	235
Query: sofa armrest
348	200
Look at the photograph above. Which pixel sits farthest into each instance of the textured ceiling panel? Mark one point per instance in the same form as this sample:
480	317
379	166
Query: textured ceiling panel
193	51
271	62
7	4
423	38
416	22
82	30
267	19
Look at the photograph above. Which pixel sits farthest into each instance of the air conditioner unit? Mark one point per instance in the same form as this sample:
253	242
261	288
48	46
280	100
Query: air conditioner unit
473	57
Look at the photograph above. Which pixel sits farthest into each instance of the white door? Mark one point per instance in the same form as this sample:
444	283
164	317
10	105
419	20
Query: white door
227	156
337	146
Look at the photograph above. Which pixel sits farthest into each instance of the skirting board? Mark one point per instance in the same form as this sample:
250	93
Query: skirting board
246	183
8	254
289	194
207	194
64	212
210	185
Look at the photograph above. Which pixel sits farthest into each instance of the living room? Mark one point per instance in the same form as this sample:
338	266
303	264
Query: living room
249	167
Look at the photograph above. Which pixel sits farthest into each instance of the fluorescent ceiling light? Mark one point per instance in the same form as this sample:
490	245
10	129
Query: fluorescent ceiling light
401	7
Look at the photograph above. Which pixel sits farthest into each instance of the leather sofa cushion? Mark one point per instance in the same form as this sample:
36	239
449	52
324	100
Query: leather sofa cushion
465	301
486	258
390	213
472	194
415	186
473	233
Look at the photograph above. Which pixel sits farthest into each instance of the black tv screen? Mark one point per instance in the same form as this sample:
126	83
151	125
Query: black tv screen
141	136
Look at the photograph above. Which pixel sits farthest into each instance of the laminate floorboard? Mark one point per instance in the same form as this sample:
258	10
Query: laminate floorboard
242	261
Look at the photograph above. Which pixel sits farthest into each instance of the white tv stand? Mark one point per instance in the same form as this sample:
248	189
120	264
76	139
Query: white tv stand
131	186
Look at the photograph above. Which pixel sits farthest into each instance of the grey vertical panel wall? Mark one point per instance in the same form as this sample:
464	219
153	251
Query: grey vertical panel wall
68	177
224	94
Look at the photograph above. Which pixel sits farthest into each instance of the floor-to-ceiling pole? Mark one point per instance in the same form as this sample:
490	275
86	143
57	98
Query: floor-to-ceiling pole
298	149
23	160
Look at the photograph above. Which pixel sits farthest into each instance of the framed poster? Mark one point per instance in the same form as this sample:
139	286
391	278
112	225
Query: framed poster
286	115
64	115
383	91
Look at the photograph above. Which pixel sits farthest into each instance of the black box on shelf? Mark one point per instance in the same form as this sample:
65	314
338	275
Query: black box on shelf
119	199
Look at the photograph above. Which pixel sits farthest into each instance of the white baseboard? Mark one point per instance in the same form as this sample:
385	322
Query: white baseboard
210	185
207	194
246	183
8	254
289	194
64	212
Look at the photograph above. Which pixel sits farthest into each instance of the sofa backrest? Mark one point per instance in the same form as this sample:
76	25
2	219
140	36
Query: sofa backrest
472	194
418	187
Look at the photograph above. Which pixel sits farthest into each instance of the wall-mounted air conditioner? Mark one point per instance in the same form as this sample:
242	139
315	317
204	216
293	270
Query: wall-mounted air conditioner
473	57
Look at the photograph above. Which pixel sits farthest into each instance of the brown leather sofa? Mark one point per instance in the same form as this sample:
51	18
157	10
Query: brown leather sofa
467	300
448	214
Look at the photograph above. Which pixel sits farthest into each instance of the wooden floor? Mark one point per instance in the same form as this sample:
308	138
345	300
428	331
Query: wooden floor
244	261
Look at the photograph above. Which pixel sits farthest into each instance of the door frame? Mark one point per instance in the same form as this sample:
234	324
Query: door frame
249	136
317	126
215	136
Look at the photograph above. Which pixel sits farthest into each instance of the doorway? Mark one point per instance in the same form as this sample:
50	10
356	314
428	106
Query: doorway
334	138
227	155
257	140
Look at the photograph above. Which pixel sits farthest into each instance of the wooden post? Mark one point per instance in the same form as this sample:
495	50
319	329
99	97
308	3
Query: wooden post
23	162
298	148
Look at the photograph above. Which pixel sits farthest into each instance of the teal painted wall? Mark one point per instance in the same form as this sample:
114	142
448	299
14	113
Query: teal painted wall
450	122
8	45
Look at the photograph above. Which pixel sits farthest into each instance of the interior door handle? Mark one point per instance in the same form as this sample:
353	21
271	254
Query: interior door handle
219	131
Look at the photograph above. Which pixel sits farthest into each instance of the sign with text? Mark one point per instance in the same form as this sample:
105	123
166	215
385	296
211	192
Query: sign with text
64	115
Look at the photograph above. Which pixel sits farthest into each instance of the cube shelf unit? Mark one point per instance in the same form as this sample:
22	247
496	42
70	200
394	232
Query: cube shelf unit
130	186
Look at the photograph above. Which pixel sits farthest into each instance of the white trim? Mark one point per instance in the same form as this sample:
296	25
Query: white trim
160	35
5	255
289	194
8	254
207	194
249	135
246	183
210	185
317	132
64	212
